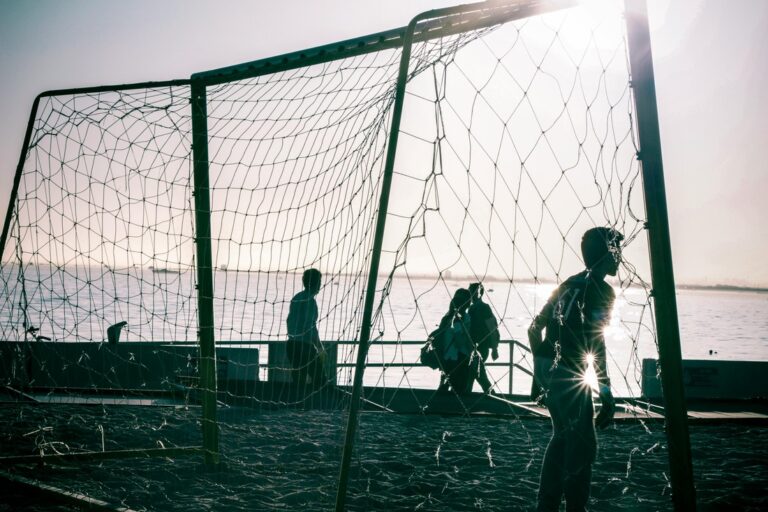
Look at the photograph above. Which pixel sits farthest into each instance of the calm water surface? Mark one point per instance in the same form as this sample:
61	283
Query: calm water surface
79	304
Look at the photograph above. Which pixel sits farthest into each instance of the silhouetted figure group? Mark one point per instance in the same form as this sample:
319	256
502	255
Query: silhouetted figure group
467	334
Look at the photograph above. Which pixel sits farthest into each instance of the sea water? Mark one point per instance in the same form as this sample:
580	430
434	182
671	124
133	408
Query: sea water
78	304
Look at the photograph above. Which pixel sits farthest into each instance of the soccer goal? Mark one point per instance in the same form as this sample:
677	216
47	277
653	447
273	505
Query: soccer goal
157	234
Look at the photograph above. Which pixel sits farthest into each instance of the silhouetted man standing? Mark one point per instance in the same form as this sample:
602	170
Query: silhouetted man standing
484	331
574	318
304	348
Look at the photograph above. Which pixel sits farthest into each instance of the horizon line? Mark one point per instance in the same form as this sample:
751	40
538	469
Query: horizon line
447	275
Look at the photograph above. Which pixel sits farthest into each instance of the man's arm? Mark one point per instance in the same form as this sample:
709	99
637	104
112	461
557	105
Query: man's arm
535	337
312	324
599	362
495	339
291	320
492	328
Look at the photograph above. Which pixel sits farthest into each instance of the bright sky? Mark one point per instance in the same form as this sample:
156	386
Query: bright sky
710	62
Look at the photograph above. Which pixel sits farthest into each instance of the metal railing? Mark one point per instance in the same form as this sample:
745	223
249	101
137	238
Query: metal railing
335	364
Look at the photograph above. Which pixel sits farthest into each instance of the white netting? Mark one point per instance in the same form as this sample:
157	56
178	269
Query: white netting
514	140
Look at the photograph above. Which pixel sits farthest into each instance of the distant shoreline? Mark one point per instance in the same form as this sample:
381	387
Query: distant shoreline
722	288
448	276
701	287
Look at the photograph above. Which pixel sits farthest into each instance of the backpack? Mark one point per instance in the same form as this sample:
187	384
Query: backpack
433	350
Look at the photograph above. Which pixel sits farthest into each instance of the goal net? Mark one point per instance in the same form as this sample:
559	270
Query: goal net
516	136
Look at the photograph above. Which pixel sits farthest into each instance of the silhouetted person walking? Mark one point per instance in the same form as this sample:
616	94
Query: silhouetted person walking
574	318
455	347
484	331
305	352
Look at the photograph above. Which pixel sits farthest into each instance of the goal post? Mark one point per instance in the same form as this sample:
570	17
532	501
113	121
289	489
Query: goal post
206	322
63	196
664	300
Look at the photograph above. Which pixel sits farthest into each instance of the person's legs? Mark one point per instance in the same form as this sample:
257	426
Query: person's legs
456	374
543	368
576	489
444	382
316	367
461	376
567	467
553	466
580	452
551	480
482	373
298	356
452	371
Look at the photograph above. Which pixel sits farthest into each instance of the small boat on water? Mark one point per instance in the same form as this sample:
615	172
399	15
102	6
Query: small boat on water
159	270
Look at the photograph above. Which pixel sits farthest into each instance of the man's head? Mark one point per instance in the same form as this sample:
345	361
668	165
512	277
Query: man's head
476	290
311	280
461	300
601	250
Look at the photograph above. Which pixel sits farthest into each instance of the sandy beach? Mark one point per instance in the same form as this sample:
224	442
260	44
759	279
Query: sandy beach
288	460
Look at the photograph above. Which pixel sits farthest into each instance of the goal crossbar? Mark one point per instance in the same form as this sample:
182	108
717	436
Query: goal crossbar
456	21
